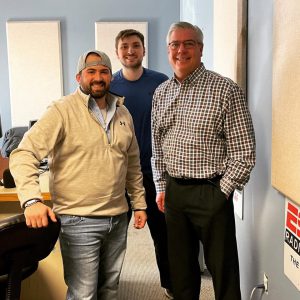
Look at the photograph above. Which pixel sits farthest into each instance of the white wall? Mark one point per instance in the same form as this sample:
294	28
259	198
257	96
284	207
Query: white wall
200	13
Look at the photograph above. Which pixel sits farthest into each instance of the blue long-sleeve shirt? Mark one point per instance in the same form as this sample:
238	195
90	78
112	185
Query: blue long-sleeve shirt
138	100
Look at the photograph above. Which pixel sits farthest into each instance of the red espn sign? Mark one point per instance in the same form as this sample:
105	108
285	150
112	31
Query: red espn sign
293	219
292	229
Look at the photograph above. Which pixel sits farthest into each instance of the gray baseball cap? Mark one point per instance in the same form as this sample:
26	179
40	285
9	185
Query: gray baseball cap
103	60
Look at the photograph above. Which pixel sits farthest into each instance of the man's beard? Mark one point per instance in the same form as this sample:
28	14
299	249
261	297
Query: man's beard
99	93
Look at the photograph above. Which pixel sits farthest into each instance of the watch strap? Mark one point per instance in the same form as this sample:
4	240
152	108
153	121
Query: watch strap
31	202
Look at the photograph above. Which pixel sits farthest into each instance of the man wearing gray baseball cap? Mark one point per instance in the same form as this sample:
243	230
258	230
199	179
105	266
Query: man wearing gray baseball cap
93	156
100	59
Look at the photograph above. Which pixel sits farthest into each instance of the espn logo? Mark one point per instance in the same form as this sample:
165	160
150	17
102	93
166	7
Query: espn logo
292	227
293	219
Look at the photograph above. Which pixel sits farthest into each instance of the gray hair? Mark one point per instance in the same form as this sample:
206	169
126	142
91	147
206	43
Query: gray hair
185	25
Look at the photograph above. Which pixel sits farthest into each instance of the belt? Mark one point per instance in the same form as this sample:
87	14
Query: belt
195	181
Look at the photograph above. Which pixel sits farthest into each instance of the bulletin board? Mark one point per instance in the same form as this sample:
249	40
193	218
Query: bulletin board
35	68
230	40
105	33
286	99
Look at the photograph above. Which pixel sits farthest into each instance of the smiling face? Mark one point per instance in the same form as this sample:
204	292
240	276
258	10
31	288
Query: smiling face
95	79
130	51
185	56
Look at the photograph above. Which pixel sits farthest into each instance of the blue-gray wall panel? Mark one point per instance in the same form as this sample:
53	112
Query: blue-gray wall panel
78	31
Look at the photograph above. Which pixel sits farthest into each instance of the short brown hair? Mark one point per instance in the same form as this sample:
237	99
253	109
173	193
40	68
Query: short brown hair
129	32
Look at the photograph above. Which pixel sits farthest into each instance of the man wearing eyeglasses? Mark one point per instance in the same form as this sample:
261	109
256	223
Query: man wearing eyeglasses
203	149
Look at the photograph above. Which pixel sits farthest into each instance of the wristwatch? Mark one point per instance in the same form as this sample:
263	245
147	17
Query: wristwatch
31	202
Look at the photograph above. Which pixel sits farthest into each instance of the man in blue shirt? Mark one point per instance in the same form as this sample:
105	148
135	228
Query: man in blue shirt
137	84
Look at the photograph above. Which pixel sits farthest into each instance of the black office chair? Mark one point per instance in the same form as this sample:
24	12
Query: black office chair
21	248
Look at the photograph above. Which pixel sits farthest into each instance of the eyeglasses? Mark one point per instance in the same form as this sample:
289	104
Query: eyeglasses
188	44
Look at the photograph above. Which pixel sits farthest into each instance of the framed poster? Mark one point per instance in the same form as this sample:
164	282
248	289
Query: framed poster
285	99
35	68
106	32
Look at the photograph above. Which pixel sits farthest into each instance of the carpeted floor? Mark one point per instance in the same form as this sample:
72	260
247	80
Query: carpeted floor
140	277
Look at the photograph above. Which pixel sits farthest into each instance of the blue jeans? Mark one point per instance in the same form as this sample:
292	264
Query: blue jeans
93	250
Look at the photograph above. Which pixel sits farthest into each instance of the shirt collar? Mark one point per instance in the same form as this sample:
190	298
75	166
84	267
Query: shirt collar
192	77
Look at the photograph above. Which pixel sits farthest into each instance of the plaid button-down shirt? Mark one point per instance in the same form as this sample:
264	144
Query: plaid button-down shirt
202	128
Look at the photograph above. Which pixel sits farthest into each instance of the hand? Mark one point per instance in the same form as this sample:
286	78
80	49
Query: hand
140	218
37	215
160	201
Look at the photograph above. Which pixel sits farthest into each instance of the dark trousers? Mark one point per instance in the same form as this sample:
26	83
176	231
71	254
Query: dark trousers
158	230
198	210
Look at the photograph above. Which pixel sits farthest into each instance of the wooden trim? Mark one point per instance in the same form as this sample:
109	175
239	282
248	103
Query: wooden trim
3	165
8	195
12	196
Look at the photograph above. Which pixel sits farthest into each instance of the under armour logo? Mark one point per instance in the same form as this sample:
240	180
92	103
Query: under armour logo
122	123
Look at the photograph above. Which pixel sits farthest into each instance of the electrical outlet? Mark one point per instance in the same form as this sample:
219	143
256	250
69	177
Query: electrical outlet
266	283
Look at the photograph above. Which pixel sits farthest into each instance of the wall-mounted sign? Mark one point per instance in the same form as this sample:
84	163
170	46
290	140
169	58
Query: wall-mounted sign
238	203
35	68
285	99
292	242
